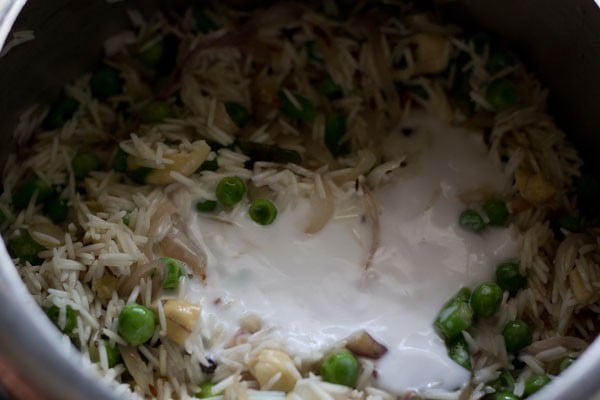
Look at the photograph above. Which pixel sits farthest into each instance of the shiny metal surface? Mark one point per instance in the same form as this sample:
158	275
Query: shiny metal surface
560	40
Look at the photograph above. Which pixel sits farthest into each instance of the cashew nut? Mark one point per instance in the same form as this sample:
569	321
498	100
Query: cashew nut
181	317
185	163
432	53
534	187
274	370
581	292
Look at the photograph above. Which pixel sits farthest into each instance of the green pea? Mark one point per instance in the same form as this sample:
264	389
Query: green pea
155	112
463	295
230	190
210	165
305	110
106	82
335	129
453	310
471	220
60	112
237	112
340	368
263	211
502	94
330	89
508	277
206	205
113	355
136	324
126	219
119	162
504	383
452	320
175	270
499	61
206	390
161	55
486	299
204	23
496	211
535	383
56	209
83	164
70	321
23	194
566	363
269	152
505	396
25	249
517	335
458	352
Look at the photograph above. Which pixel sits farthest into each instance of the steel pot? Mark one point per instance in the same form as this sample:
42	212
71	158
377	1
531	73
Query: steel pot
559	40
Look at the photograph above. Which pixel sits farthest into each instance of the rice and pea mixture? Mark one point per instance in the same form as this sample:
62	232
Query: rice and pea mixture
218	111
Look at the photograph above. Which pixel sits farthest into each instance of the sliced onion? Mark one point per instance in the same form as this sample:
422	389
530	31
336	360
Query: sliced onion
331	57
363	344
258	192
136	367
318	152
177	245
161	221
245	37
168	231
366	161
185	163
372	214
321	210
155	268
209	42
465	393
380	174
383	70
568	342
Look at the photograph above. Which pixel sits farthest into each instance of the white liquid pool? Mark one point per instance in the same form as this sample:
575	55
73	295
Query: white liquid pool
314	291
